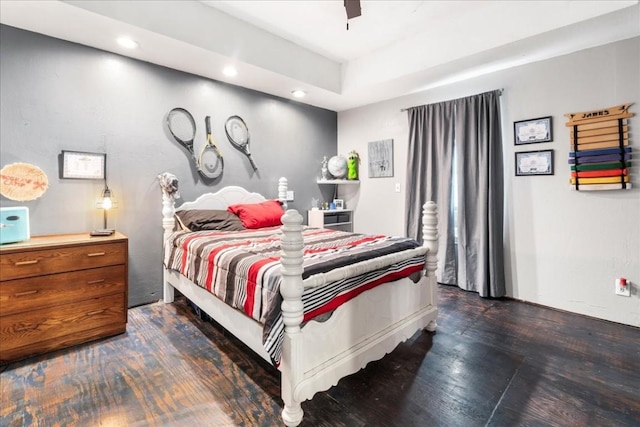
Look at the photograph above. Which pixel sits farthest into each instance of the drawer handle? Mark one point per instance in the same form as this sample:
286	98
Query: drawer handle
91	313
33	261
21	294
93	282
96	254
25	328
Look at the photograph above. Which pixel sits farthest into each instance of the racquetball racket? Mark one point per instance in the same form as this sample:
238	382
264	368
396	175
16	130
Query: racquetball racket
183	129
238	135
210	162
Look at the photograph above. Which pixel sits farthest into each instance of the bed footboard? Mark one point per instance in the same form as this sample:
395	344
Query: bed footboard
316	358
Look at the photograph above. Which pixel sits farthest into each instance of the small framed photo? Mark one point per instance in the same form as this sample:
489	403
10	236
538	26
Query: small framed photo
534	163
533	131
339	203
82	165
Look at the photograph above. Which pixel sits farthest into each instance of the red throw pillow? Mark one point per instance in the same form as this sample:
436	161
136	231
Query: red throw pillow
258	215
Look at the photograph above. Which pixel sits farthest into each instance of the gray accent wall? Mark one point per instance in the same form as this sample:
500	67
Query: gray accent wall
56	95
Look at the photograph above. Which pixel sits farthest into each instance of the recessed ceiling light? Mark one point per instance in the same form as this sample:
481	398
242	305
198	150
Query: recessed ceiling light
298	93
128	43
230	71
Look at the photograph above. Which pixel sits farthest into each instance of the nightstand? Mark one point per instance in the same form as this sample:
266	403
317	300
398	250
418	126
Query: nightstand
334	219
61	290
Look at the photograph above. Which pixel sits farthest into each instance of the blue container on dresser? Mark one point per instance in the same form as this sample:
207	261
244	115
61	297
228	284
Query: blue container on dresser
14	224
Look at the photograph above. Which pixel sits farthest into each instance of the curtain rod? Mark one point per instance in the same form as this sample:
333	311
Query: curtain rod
408	108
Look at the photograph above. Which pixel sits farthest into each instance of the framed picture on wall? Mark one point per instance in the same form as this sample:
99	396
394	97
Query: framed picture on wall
533	131
534	163
82	165
380	155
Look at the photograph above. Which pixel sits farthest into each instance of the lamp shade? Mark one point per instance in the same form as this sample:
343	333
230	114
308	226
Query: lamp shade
106	202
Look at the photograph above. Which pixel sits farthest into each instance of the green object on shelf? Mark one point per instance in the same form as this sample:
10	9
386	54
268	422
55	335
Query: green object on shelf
352	165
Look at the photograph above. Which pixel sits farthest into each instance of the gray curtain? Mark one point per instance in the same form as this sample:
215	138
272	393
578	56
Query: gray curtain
472	126
429	169
480	194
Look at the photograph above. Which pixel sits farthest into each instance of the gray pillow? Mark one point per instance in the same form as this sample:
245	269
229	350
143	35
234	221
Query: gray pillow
209	219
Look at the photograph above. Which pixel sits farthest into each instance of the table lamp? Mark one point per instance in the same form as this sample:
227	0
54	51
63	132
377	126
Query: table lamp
105	203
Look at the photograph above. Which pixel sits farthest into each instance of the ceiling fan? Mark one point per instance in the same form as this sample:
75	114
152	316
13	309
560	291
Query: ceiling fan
353	9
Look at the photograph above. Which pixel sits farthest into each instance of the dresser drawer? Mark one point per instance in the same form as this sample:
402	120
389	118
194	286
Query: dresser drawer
35	293
25	329
16	265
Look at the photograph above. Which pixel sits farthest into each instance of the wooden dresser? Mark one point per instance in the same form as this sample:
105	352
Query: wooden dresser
61	290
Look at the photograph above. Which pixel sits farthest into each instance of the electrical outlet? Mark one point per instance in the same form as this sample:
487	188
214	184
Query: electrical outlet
623	287
290	196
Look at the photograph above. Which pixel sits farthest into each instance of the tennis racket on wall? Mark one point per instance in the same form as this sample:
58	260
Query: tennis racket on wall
210	162
238	134
183	129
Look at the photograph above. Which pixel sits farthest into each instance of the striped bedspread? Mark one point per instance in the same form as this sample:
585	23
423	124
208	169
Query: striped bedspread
242	268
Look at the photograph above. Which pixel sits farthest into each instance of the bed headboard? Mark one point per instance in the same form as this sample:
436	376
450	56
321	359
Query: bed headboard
221	199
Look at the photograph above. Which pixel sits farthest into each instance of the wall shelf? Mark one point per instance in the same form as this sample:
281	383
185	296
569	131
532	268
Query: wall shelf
338	181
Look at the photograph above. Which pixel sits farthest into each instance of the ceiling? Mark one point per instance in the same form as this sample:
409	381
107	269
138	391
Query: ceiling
393	49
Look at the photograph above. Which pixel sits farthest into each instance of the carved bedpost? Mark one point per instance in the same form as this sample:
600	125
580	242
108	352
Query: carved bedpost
169	186
430	240
168	211
292	308
170	192
430	236
282	192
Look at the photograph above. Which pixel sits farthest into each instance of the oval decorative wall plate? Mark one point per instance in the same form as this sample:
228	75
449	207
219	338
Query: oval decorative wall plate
22	182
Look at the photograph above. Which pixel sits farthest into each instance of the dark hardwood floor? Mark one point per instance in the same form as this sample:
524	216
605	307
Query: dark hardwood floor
490	363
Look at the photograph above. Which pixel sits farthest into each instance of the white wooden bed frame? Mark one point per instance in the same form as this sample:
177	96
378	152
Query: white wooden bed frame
315	357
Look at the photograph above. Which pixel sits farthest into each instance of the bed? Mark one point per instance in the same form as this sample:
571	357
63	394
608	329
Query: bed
312	357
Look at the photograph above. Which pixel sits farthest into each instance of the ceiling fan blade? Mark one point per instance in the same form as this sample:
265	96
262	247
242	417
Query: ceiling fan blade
353	8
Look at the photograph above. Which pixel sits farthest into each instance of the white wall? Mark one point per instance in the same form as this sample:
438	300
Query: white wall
563	248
